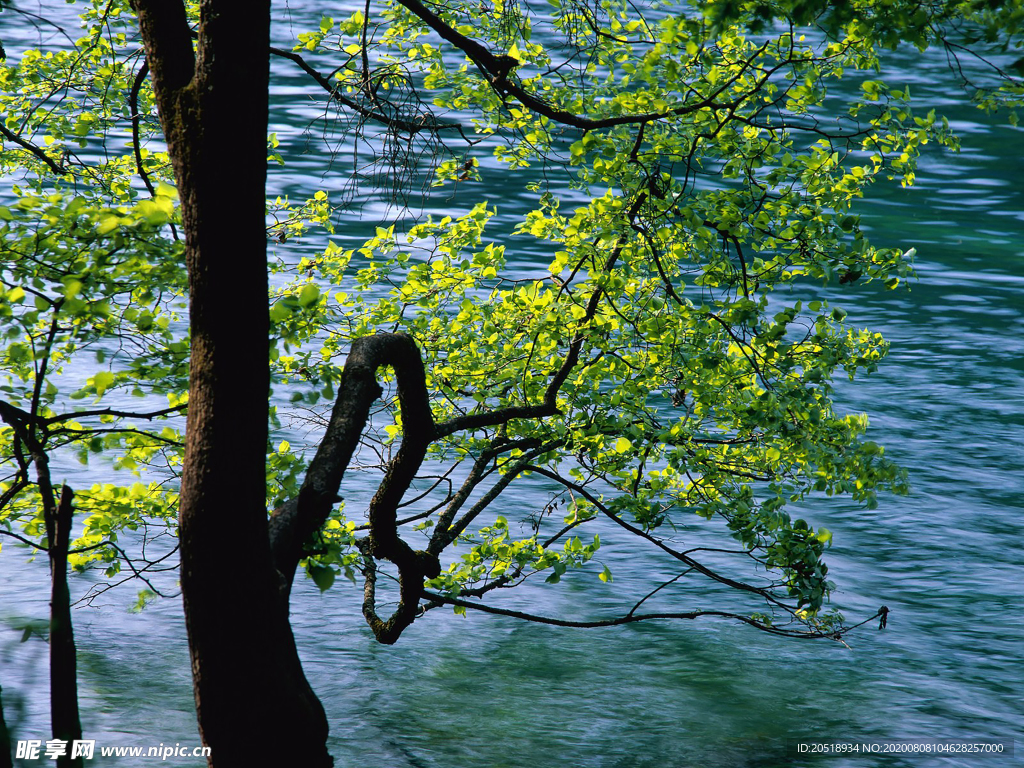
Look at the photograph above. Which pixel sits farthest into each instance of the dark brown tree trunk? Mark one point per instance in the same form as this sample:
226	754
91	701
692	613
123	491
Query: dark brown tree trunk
254	704
6	759
63	665
57	518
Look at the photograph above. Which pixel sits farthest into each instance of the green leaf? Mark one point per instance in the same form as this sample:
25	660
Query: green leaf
323	575
279	312
102	381
108	224
308	295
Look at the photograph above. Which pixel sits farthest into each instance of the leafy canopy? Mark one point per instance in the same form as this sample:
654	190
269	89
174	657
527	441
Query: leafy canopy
692	172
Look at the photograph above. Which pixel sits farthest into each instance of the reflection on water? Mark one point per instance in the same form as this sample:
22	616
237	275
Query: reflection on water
487	692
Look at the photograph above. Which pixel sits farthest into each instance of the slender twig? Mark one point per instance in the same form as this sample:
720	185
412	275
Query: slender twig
10	135
114	412
632	618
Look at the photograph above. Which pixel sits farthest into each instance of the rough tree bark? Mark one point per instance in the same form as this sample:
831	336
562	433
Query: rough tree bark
254	704
64	716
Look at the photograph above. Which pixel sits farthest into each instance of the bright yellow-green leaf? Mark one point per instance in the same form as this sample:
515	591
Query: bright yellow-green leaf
308	295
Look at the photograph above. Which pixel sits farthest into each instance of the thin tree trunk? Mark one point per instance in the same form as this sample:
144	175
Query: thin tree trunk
57	518
63	665
6	759
254	704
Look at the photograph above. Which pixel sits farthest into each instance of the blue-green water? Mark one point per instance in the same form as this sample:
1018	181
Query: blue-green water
484	692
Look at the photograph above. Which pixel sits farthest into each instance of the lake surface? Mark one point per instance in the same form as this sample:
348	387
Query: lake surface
485	692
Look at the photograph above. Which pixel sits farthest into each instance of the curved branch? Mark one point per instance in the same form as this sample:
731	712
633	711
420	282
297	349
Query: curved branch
681	556
113	412
11	136
26	541
133	103
75	434
384	542
396	123
387	631
632	618
294	523
498	67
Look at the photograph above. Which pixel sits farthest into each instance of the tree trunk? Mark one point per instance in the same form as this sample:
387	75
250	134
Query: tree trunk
63	665
254	704
6	759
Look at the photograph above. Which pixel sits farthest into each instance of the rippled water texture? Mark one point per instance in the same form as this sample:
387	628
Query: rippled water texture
483	692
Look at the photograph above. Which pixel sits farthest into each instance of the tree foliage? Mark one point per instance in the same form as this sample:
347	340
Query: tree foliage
694	178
